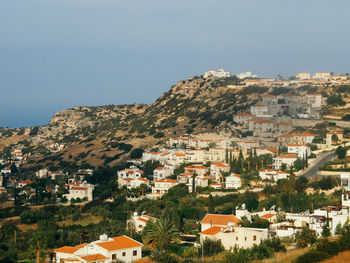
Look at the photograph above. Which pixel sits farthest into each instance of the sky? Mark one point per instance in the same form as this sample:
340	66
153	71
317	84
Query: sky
57	54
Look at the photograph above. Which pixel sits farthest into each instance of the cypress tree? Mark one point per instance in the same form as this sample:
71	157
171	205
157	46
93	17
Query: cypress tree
211	206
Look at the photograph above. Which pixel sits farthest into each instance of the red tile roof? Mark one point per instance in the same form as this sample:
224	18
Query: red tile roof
94	257
120	242
219	220
266	216
211	231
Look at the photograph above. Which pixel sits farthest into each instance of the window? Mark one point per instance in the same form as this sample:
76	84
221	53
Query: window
245	238
124	254
236	238
114	256
134	253
254	238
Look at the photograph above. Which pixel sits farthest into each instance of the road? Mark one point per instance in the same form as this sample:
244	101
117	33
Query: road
312	170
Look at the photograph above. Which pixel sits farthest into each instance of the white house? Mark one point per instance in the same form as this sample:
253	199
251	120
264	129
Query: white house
301	150
287	159
24	183
303	76
245	75
183	178
243	118
163	172
162	186
104	250
140	221
218	220
80	190
200	181
233	181
6	170
197	169
272	175
216	170
259	110
334	135
322	75
133	172
226	229
218	74
132	183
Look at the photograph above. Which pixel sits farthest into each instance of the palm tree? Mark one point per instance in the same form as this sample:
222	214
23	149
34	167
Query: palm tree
161	234
143	188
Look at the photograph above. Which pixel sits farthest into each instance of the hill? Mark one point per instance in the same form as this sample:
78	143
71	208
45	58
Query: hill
105	135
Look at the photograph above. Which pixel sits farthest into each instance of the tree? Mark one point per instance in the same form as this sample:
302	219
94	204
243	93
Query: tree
160	234
299	164
190	252
326	232
177	217
211	205
335	100
212	247
301	184
306	237
335	138
136	153
193	183
143	188
340	152
13	168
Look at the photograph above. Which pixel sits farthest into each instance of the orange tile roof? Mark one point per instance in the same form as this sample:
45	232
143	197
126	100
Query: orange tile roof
244	115
94	257
66	249
219	220
166	180
221	164
286	156
142	219
260	120
211	231
272	150
78	188
286	135
143	179
305	134
180	154
335	132
266	216
120	242
186	174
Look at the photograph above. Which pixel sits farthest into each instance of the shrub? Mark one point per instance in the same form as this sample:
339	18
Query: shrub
312	256
212	247
346	117
136	153
158	135
335	100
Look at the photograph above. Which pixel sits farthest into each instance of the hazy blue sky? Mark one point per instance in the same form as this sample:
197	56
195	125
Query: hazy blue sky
56	54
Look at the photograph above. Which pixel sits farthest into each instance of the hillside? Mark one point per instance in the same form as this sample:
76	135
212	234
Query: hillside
106	134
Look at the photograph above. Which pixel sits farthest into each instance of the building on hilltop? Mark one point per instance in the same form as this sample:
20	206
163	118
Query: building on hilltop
303	76
218	74
246	75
